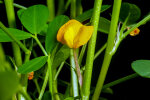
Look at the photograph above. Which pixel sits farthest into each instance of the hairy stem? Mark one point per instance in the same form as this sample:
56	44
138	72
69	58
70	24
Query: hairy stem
91	51
109	48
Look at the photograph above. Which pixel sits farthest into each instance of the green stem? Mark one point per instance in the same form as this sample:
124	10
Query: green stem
52	83
40	45
14	38
19	6
10	13
37	85
74	79
44	85
78	72
67	4
63	83
14	97
110	45
16	50
12	23
91	51
51	7
79	7
59	69
82	53
2	53
73	9
48	73
17	54
50	77
27	57
24	93
2	58
61	8
143	21
120	80
100	50
55	91
24	77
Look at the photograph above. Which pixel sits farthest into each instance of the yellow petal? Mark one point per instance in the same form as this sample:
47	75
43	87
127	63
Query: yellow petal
69	37
71	28
83	36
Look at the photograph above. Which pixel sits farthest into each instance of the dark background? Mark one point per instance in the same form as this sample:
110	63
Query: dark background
131	49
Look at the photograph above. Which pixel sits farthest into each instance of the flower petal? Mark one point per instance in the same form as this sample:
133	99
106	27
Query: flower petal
69	26
83	36
69	37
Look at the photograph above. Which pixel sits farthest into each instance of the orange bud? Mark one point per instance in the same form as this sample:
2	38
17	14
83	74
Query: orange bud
30	75
135	32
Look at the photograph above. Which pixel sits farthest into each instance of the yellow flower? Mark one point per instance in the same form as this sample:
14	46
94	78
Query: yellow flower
74	34
135	32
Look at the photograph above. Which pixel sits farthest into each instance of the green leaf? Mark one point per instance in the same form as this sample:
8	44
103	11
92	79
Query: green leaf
20	35
61	56
107	90
69	98
8	85
88	14
52	31
47	96
129	9
34	18
32	65
45	27
104	25
44	30
20	12
142	67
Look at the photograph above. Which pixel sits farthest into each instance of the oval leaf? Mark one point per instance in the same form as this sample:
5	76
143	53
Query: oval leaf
32	65
52	31
142	67
20	35
8	85
34	18
131	10
61	56
104	25
88	14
